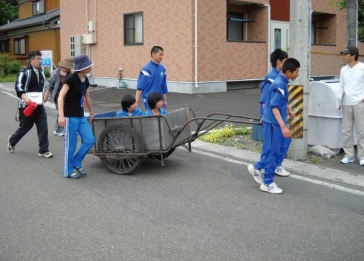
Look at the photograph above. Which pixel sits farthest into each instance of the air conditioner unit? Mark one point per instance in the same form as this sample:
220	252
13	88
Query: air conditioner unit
88	38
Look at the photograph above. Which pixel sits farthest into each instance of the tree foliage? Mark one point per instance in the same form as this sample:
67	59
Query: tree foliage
8	11
342	5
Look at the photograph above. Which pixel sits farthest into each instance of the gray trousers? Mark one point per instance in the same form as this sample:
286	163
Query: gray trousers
353	115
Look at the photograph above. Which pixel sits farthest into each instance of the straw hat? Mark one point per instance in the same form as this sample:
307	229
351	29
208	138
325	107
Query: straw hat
66	63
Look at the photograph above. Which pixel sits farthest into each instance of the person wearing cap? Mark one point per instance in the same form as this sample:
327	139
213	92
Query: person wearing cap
351	100
152	78
71	100
29	88
54	86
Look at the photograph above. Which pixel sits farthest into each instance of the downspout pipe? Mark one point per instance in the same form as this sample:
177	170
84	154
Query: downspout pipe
196	44
269	37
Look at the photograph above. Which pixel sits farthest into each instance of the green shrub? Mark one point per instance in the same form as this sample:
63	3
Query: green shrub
47	72
9	65
12	67
219	134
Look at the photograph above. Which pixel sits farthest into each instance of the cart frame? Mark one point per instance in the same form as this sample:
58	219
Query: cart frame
122	142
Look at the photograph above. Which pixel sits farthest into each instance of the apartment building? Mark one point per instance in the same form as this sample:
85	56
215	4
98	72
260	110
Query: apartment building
210	45
37	28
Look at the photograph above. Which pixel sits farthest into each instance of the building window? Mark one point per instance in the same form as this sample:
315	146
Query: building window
133	28
313	32
277	38
236	23
76	45
20	46
38	7
4	46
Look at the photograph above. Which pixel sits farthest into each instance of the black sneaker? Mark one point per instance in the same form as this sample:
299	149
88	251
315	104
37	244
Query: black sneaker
10	148
81	171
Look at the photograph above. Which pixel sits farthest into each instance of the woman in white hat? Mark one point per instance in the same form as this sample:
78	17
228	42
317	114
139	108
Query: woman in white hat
54	86
71	100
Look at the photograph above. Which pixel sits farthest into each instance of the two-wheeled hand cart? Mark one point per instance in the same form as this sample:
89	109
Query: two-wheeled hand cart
122	142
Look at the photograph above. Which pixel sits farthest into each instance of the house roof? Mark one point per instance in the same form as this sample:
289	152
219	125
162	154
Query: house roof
31	21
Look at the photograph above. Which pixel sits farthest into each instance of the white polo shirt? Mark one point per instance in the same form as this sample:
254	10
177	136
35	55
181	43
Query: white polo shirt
352	83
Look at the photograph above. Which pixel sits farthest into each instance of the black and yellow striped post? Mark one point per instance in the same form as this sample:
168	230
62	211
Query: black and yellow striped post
295	101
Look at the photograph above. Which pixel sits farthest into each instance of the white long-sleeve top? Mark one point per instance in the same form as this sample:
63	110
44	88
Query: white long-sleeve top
352	84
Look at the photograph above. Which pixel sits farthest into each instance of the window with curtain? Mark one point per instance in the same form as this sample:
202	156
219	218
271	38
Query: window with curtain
38	7
133	28
20	46
277	38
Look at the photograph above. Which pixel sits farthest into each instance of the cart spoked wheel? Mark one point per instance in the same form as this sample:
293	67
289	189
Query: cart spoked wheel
119	142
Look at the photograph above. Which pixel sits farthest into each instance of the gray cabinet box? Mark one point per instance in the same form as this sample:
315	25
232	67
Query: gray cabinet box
324	117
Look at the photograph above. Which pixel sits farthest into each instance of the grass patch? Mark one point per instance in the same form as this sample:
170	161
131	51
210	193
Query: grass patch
221	135
8	78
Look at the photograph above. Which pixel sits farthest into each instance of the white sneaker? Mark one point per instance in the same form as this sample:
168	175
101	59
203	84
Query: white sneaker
255	173
60	134
361	162
280	171
347	160
47	154
271	188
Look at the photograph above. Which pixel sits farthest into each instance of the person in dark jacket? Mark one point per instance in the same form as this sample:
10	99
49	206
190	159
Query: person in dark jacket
29	88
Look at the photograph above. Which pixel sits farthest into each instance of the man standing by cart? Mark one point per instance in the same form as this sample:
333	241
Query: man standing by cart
152	78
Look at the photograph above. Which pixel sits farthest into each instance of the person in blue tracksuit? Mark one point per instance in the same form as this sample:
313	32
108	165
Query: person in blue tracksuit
277	58
155	102
275	127
152	78
129	107
71	100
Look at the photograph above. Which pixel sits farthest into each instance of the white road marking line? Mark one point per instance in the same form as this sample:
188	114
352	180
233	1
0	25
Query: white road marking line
318	182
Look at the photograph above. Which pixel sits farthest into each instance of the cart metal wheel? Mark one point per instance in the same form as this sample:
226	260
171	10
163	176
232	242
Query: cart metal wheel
120	141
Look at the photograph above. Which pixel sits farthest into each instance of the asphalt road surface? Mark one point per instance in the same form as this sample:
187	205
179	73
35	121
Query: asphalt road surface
195	207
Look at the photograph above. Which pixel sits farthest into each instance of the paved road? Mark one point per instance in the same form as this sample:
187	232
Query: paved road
199	206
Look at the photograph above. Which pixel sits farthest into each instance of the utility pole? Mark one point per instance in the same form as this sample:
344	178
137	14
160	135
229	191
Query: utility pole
352	22
300	48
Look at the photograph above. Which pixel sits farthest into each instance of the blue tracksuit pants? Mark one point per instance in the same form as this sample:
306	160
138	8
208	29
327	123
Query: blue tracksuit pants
282	153
76	126
275	145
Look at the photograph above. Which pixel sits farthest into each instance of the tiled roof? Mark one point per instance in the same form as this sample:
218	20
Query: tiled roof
35	20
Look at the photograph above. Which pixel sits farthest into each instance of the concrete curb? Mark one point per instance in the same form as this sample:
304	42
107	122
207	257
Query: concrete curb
294	166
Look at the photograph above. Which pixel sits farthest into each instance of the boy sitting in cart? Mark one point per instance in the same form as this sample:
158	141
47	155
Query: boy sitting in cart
129	107
155	102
